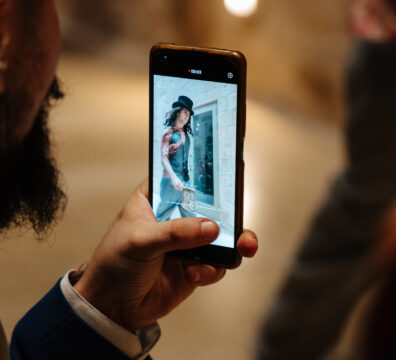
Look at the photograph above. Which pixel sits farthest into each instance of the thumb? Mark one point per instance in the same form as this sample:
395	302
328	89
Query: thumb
184	233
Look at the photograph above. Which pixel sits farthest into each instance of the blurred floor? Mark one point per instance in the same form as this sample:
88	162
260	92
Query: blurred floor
101	132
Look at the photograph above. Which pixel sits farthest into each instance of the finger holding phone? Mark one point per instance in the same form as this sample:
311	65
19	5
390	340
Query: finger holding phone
132	280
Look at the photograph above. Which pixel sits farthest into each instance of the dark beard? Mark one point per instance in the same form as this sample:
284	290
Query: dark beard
30	194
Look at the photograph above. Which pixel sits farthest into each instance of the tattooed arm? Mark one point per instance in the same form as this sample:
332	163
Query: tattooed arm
166	149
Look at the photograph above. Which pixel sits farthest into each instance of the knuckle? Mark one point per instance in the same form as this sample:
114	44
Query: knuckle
133	234
183	228
176	231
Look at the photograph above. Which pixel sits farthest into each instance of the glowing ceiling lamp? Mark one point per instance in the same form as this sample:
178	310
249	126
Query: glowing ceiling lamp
241	8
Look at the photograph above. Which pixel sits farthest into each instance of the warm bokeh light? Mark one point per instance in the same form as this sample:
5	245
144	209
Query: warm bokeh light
241	8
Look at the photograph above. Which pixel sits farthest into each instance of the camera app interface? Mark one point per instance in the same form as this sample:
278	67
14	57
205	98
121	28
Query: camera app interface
194	151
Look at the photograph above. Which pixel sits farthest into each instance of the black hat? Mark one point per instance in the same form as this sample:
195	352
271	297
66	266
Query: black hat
184	102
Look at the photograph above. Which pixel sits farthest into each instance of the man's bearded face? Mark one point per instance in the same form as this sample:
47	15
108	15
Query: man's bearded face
29	180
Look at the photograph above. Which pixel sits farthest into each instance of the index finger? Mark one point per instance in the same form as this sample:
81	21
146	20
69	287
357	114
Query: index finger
138	206
143	187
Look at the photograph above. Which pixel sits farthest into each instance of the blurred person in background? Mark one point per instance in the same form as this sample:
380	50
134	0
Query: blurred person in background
108	311
352	240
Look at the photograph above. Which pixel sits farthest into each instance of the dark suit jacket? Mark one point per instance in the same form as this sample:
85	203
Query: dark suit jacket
52	330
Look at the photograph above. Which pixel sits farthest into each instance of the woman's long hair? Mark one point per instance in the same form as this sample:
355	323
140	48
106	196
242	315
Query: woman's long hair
171	117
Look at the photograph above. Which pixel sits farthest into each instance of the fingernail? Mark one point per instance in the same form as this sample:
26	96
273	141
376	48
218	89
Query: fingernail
208	227
196	277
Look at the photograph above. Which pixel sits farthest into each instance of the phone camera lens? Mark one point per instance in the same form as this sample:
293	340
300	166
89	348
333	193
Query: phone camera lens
230	75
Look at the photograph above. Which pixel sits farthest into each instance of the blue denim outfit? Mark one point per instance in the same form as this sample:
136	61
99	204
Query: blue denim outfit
170	197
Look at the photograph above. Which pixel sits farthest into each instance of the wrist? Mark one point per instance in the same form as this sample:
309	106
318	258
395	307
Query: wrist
97	295
76	274
132	344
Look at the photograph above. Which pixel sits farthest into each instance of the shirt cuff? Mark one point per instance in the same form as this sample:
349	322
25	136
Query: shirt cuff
134	345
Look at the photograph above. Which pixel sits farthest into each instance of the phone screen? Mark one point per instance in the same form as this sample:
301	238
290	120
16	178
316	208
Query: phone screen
194	151
196	139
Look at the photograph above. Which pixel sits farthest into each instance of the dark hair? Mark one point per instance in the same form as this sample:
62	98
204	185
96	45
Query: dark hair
392	4
171	117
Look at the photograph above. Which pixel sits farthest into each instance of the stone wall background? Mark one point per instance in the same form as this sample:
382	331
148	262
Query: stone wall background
295	48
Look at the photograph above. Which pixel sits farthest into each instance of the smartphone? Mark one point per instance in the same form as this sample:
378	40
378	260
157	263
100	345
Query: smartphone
197	130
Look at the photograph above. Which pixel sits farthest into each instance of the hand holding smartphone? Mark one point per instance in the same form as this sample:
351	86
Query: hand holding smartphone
197	128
